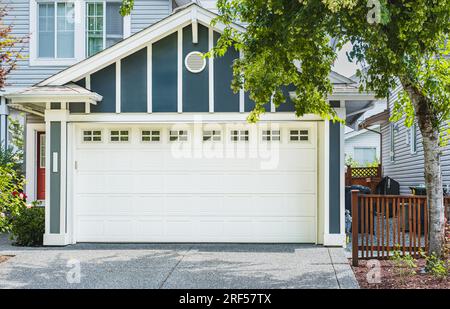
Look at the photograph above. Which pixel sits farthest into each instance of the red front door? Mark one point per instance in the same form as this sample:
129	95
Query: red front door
40	151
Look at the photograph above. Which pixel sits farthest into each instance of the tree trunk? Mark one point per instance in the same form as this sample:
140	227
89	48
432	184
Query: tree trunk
426	121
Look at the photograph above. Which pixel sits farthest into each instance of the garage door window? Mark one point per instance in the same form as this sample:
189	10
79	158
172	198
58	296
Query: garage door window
212	136
239	136
119	136
299	135
92	136
151	136
270	135
178	136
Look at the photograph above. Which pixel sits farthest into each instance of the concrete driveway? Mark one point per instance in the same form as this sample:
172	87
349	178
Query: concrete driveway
188	266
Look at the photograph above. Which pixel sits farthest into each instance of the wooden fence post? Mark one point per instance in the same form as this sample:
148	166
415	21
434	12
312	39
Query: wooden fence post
355	227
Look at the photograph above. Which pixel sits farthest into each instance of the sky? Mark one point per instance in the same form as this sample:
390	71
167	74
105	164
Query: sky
342	65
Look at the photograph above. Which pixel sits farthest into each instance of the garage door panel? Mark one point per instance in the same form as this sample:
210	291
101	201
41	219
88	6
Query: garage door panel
301	160
145	192
148	183
149	228
118	227
89	183
148	205
91	204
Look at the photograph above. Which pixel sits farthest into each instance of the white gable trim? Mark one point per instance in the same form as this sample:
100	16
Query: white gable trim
136	42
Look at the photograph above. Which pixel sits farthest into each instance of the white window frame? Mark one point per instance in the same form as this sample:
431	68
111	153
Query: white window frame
413	139
243	135
129	135
215	136
91	136
79	33
392	142
176	133
299	135
151	130
365	148
42	150
270	136
126	23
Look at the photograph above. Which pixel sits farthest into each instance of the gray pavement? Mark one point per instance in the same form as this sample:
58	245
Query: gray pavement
175	266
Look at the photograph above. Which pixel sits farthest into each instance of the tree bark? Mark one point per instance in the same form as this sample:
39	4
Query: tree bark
426	121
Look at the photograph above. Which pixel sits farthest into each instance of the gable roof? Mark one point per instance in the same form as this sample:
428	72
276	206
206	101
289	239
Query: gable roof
183	16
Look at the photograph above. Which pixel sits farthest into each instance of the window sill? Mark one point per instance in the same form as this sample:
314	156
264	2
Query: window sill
53	62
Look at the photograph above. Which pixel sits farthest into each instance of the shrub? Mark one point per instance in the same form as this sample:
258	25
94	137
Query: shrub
28	227
12	200
435	266
405	265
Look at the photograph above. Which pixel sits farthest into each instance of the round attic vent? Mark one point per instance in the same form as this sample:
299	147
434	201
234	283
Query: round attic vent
195	62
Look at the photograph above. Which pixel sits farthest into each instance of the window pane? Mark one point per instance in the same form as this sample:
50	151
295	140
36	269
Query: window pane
65	30
114	23
365	156
46	25
94	28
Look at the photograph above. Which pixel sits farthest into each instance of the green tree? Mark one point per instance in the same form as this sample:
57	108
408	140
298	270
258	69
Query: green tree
10	48
404	41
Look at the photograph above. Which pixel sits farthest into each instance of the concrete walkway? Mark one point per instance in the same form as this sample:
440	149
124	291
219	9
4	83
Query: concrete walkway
175	266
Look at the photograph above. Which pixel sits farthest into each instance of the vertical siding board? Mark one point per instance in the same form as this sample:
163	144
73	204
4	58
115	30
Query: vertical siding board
195	85
225	100
103	82
287	106
164	74
334	179
133	71
55	177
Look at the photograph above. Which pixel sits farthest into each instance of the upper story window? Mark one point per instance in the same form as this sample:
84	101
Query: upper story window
56	35
104	26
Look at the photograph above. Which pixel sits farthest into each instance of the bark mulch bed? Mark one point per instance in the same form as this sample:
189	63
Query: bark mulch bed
390	278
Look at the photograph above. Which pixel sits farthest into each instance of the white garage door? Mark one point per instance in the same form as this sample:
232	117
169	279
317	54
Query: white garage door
186	183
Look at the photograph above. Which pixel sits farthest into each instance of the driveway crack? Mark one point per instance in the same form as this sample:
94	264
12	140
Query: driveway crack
334	269
173	268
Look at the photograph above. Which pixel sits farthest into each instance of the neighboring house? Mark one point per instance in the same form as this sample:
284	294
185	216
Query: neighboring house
145	142
363	146
402	150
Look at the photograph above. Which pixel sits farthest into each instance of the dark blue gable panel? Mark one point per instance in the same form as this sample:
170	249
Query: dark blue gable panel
78	107
81	82
334	177
164	74
195	85
133	72
250	105
287	106
225	100
104	83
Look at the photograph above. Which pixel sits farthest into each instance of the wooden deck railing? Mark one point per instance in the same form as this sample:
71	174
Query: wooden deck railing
384	223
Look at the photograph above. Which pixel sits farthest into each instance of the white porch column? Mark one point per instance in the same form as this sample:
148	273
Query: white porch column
56	232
